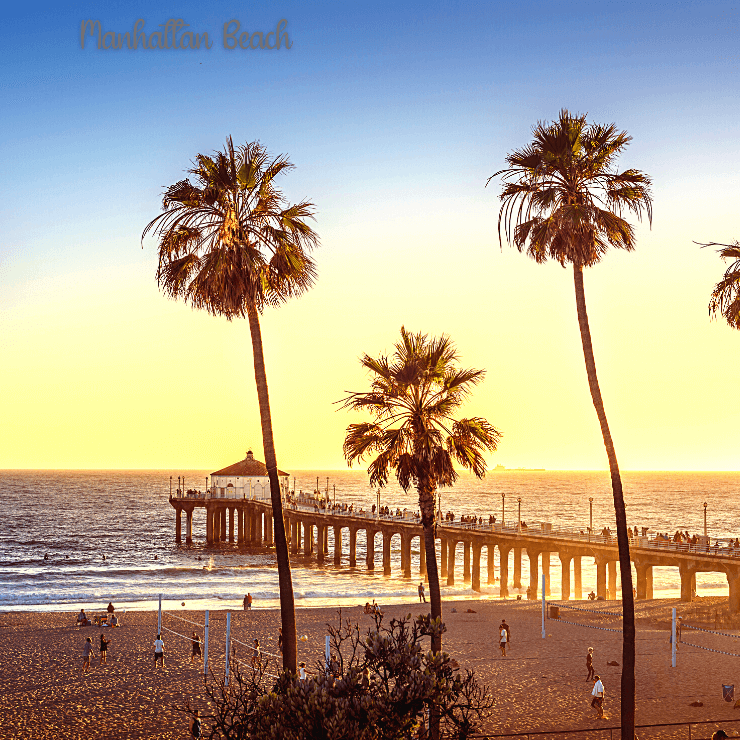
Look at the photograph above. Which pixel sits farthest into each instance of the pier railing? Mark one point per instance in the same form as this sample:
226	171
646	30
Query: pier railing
722	547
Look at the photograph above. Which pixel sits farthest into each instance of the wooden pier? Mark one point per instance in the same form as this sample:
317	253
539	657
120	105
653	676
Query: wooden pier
307	530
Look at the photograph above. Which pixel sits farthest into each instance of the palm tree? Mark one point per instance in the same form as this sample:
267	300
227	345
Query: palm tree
725	299
231	244
563	199
412	398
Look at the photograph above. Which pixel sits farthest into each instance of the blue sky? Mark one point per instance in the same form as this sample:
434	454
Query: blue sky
395	115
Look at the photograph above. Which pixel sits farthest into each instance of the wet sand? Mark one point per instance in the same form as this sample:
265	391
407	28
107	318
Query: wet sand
540	685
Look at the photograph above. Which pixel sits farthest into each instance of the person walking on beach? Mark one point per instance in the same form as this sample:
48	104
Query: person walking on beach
159	651
503	637
280	640
256	654
196	647
422	596
598	697
508	633
196	729
248	602
104	642
590	664
87	651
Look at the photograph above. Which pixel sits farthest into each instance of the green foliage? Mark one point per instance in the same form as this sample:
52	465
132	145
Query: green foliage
229	240
725	300
562	197
379	687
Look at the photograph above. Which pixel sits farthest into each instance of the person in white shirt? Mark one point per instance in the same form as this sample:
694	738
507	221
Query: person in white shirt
504	636
158	651
598	696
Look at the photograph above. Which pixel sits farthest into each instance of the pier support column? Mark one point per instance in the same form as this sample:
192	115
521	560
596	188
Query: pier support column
577	585
565	578
466	562
641	585
387	536
601	579
611	568
307	537
503	562
240	526
476	566
406	554
216	525
490	548
258	527
253	525
649	583
370	559
320	532
443	557
688	582
337	544
534	574
178	526
546	571
451	547
189	527
222	526
209	526
352	547
733	581
294	535
517	567
422	557
231	523
269	541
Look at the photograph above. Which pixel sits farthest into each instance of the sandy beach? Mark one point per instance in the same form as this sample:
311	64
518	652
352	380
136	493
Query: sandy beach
540	685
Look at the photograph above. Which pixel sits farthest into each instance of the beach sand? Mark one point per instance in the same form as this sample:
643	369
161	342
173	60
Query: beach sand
540	685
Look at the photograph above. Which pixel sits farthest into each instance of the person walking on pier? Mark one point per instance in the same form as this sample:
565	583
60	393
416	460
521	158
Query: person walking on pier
598	697
422	597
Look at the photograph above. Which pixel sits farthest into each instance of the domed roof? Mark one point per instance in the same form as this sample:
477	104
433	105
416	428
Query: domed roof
247	468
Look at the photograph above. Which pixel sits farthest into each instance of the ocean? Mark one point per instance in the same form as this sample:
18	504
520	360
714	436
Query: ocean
77	517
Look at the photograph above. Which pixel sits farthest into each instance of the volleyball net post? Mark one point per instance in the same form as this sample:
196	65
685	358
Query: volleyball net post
159	617
205	646
544	595
673	637
228	649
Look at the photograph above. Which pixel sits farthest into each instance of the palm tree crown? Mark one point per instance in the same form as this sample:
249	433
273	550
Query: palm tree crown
412	399
230	240
725	300
562	198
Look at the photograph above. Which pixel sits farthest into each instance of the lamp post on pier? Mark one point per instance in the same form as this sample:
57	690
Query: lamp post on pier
378	509
705	518
519	524
503	510
205	492
178	485
590	516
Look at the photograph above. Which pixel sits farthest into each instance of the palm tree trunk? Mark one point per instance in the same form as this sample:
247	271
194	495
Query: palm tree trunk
287	603
426	505
625	567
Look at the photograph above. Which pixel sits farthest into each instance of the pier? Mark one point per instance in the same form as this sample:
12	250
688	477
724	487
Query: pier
248	521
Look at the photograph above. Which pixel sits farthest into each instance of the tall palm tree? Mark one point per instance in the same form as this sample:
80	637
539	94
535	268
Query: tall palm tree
563	199
725	299
412	398
231	244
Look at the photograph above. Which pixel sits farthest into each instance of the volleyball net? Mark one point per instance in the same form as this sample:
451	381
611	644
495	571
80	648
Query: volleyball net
712	641
606	620
176	627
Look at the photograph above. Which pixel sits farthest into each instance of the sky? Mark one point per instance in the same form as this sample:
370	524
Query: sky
394	116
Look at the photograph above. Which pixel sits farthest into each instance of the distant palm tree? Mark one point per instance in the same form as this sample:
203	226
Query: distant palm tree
412	398
231	244
563	199
725	299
